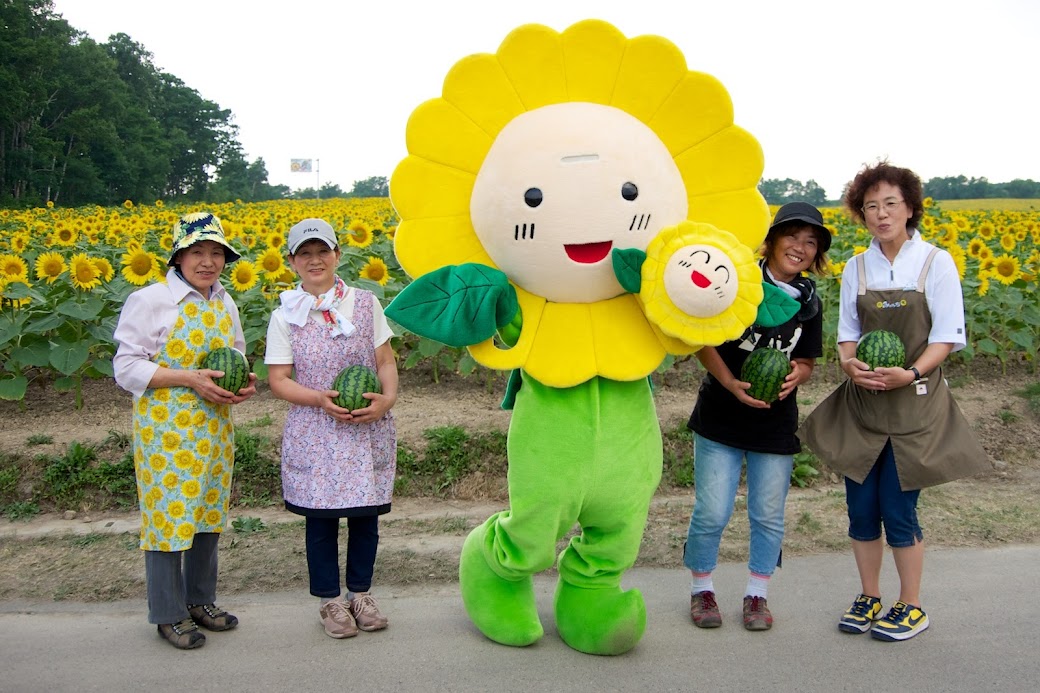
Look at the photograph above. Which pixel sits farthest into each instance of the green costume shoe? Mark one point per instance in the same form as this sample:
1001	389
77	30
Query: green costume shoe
505	611
599	620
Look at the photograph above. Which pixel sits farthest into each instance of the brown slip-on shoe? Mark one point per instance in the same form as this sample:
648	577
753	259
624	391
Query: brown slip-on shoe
184	635
212	617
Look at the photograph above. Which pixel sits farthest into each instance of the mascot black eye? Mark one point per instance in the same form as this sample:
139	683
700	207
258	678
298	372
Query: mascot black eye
629	191
533	197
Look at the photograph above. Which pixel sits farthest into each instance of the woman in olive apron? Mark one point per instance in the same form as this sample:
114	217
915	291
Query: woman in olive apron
183	435
894	431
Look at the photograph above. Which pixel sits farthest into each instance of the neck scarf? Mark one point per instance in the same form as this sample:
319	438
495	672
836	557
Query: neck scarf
297	305
802	289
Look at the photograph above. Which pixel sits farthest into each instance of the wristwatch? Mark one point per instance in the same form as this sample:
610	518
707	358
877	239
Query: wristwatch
917	373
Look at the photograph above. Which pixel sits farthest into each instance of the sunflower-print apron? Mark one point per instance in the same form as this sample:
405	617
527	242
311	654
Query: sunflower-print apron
184	450
931	439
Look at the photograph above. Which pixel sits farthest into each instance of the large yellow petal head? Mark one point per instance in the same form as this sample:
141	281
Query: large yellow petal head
542	158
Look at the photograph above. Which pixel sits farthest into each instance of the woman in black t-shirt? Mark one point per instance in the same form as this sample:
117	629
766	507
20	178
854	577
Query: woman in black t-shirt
730	426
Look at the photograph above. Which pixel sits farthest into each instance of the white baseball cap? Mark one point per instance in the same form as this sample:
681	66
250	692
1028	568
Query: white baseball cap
309	229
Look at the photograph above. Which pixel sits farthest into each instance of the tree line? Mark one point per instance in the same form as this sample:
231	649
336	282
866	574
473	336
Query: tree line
781	191
83	122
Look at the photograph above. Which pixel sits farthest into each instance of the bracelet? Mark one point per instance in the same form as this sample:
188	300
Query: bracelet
917	373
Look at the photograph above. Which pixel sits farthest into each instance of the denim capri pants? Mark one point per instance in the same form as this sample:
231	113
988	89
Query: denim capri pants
880	500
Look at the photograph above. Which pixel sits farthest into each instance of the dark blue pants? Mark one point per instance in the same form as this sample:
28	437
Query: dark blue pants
323	554
880	500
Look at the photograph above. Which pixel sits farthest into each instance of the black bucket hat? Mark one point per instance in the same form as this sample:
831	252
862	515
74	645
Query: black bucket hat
804	213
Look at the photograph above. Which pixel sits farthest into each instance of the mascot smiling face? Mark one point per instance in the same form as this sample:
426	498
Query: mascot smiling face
554	197
588	199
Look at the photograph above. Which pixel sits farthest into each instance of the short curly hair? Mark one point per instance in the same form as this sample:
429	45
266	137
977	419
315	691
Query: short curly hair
908	182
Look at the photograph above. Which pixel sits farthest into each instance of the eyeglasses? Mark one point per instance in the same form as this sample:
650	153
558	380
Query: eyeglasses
873	207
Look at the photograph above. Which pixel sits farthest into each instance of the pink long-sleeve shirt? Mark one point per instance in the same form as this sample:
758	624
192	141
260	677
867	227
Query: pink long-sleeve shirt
145	323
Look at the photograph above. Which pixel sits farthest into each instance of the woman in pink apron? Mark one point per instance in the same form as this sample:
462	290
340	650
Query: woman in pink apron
894	431
184	438
336	462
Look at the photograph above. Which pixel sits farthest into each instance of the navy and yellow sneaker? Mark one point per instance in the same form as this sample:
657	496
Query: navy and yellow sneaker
861	615
903	621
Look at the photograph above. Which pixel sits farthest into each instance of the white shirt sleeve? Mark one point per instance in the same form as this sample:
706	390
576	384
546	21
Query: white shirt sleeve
279	349
945	302
849	328
143	327
381	328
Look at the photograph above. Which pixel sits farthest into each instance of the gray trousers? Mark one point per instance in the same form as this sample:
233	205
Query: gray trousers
177	578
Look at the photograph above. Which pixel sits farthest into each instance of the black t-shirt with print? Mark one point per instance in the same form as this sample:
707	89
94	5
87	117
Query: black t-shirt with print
721	417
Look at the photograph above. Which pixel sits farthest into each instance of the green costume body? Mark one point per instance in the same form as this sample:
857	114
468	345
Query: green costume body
587	455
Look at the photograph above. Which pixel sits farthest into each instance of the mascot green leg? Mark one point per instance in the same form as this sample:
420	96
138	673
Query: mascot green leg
504	610
599	620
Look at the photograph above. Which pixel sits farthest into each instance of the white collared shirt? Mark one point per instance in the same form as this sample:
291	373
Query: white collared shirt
145	323
942	289
279	349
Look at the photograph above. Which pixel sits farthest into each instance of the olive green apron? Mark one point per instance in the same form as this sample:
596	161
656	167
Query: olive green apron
931	439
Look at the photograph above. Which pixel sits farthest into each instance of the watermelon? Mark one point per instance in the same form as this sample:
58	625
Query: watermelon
881	349
351	382
233	363
765	369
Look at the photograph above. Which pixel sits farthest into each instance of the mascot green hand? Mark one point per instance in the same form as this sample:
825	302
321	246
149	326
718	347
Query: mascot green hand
534	167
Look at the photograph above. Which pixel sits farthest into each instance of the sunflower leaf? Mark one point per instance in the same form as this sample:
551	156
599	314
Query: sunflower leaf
776	307
628	266
457	305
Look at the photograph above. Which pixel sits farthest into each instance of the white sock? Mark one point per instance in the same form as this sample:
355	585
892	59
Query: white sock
757	585
326	600
701	583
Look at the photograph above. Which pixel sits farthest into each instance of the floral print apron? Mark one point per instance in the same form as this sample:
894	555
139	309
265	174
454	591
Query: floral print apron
184	446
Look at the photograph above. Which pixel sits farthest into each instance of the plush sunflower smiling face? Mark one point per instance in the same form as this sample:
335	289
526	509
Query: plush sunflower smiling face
554	197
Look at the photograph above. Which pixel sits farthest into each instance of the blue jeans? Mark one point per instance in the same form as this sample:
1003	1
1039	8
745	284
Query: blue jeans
880	499
322	537
716	475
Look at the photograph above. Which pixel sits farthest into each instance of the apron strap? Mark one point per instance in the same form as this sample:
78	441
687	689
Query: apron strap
861	270
924	269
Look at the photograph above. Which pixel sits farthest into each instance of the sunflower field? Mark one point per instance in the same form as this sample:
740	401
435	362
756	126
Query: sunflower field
64	274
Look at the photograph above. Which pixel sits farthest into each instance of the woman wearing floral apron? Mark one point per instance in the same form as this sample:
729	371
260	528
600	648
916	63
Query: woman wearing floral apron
182	429
894	431
336	462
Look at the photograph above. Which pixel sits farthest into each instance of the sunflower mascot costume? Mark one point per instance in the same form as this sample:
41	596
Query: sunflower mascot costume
574	208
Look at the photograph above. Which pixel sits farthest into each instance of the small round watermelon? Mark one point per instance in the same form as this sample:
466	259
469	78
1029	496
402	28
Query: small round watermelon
881	349
351	382
234	364
765	369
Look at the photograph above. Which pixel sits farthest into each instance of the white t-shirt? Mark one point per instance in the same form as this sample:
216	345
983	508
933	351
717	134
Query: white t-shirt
942	289
279	350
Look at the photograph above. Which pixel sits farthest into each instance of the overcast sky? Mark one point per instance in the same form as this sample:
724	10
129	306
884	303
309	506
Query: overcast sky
942	87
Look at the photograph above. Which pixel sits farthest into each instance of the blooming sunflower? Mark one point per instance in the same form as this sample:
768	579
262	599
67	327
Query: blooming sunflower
19	242
274	240
83	273
544	82
975	246
1006	269
986	230
64	236
244	275
270	261
14	268
1008	241
49	266
359	234
104	268
375	270
140	266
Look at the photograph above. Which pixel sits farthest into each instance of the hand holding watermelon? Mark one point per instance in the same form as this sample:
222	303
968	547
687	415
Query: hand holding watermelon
766	370
235	375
